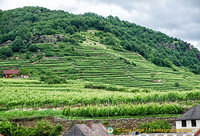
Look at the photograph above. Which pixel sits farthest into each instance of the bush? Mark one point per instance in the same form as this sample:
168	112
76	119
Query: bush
33	48
42	128
104	87
24	71
52	79
6	128
12	76
17	44
39	57
49	54
145	91
74	39
177	84
127	61
6	52
56	130
160	124
71	70
134	90
72	77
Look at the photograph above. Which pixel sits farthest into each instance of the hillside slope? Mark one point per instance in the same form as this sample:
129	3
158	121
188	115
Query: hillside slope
95	62
96	49
29	23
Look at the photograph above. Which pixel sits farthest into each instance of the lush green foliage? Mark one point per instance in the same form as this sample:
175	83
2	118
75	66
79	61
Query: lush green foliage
123	110
157	47
97	63
52	79
23	71
151	127
18	93
104	87
5	52
56	45
42	128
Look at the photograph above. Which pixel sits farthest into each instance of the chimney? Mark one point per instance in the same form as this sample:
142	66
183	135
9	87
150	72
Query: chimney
89	123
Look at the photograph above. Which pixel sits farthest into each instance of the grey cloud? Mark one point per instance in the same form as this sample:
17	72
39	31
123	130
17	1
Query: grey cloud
180	16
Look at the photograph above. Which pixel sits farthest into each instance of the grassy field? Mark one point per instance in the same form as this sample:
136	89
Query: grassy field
136	80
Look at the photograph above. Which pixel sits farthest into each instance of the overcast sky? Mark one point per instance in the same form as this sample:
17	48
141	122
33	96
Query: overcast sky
177	18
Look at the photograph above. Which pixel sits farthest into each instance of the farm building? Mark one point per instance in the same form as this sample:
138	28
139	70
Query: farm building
190	119
89	129
9	73
24	76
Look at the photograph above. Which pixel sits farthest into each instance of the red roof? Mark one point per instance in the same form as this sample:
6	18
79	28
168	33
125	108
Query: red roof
10	72
197	133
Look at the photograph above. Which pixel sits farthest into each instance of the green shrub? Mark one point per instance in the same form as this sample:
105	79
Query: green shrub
6	128
123	110
135	91
42	128
52	79
40	56
56	130
159	124
74	39
24	71
12	76
105	122
127	61
146	91
5	52
49	54
105	87
33	48
72	77
71	70
177	84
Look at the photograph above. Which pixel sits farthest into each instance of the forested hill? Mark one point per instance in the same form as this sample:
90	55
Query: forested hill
21	27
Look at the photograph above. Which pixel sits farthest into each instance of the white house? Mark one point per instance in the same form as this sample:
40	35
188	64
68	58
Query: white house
190	120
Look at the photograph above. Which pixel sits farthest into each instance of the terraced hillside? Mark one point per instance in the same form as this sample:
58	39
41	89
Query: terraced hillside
88	66
95	62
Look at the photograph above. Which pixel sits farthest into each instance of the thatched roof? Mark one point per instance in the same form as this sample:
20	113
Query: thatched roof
192	114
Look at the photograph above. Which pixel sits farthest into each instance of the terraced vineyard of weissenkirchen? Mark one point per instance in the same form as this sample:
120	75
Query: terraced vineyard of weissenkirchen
95	74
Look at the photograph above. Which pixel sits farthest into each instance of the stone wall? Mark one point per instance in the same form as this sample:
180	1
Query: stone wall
115	123
128	123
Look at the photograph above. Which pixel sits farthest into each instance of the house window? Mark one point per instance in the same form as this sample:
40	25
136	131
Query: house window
183	123
194	124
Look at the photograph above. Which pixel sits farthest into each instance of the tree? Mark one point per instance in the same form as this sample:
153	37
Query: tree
17	44
24	71
69	29
177	84
33	48
6	52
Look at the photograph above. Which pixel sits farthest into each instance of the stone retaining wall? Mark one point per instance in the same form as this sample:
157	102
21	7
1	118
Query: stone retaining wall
128	123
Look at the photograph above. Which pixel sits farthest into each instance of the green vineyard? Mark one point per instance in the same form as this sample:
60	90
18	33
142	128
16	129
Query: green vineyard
123	110
26	93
